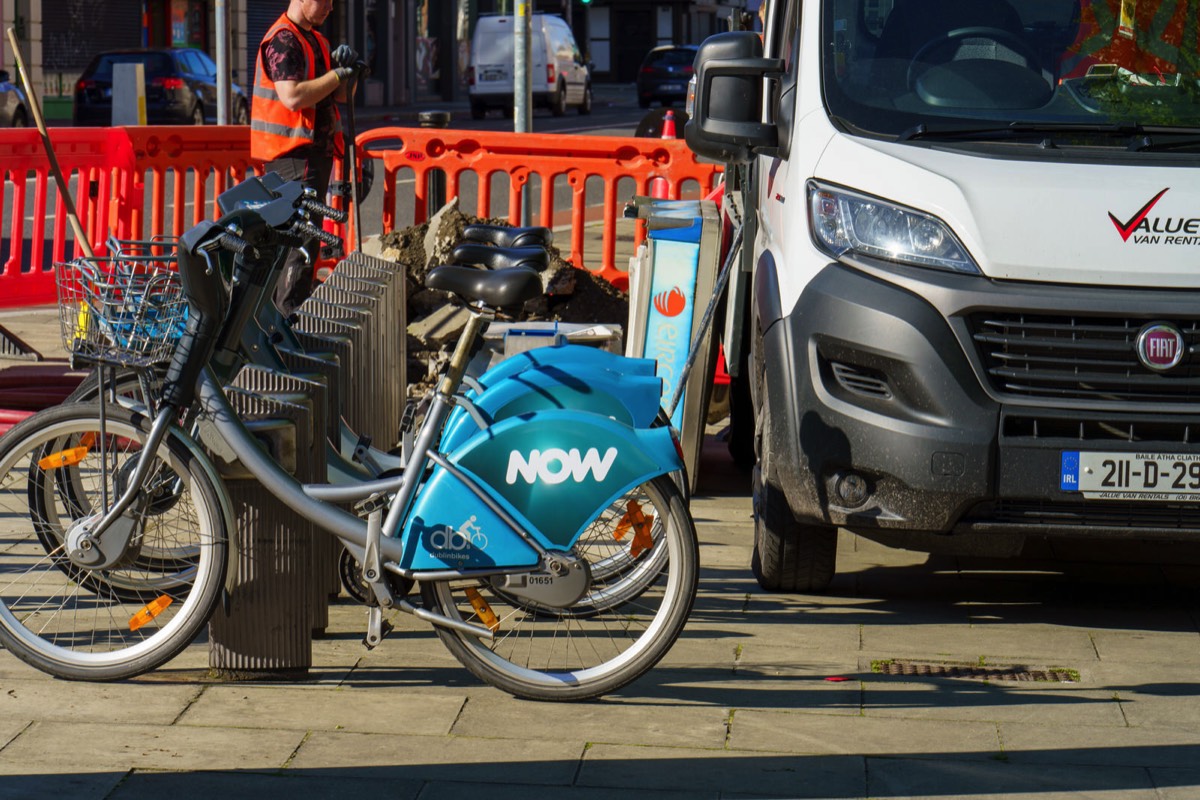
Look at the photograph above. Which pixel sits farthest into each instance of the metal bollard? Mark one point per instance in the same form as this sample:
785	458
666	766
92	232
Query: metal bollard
435	185
274	603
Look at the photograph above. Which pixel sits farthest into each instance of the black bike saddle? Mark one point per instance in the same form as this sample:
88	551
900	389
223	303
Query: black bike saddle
474	254
496	288
505	236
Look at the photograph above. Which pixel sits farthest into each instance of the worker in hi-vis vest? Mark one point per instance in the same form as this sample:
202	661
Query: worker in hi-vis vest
295	128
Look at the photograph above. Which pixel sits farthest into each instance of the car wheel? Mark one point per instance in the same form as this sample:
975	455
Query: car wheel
643	102
478	110
586	106
558	103
19	120
198	115
789	555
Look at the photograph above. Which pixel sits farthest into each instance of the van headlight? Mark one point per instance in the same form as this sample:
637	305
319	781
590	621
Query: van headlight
843	221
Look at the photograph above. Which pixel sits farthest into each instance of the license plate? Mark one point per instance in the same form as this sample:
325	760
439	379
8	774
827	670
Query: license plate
492	75
1167	477
671	87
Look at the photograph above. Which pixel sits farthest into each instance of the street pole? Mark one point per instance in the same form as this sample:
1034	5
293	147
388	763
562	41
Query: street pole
567	12
222	20
523	84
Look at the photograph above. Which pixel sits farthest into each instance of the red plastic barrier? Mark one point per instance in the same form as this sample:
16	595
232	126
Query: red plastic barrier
108	170
521	156
121	178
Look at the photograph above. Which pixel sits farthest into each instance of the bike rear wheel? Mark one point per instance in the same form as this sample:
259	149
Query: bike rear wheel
104	624
618	630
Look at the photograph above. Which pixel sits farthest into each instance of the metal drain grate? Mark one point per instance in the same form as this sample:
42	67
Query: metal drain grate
973	671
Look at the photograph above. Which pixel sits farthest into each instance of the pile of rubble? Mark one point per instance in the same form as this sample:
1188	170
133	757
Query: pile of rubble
571	294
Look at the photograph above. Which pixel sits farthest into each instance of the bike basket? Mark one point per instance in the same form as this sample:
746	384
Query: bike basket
124	311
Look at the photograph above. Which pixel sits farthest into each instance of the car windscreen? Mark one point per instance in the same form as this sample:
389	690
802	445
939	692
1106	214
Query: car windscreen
156	64
895	67
663	59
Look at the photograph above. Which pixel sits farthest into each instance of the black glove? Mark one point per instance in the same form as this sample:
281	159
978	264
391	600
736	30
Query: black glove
343	56
343	73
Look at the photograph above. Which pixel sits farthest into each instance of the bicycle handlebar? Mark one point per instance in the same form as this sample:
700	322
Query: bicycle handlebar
317	207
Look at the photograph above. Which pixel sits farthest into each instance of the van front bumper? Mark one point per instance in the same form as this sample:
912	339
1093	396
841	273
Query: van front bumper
890	380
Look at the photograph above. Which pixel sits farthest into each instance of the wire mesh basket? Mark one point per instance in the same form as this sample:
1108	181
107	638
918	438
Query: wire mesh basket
127	310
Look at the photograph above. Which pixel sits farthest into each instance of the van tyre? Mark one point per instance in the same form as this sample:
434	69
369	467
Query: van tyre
478	110
789	555
558	103
586	106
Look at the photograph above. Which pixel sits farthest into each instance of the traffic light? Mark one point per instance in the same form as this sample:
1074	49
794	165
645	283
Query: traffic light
586	2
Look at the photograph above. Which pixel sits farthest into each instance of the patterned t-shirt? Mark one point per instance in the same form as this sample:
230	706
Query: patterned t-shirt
284	60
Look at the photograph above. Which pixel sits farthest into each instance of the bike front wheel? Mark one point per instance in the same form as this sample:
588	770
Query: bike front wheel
73	622
622	626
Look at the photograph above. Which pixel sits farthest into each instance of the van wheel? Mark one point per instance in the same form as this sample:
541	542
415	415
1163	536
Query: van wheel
789	556
558	103
478	110
586	106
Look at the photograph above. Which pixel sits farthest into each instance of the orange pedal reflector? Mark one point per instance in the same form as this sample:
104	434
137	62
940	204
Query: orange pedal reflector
483	610
149	612
63	458
88	439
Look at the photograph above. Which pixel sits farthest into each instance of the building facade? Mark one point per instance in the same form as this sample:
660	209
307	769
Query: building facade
418	50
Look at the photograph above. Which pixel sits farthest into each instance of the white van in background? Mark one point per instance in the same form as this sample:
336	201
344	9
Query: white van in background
559	75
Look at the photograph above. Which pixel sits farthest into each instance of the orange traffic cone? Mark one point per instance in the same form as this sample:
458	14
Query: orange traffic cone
658	186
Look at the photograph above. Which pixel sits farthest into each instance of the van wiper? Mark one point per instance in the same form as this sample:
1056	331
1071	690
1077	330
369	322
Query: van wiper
1022	128
1147	144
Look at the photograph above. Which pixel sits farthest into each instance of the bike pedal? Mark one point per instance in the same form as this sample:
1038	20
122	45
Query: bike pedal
409	417
361	447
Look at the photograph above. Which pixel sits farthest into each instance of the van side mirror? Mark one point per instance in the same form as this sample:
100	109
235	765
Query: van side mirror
726	123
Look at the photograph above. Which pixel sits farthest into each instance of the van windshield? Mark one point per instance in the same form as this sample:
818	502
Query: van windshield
916	67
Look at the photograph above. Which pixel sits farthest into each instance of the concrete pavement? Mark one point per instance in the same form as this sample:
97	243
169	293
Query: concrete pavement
845	695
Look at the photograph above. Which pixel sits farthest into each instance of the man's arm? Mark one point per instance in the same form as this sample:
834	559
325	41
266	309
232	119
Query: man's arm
296	95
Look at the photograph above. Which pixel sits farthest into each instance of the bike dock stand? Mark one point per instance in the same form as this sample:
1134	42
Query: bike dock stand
279	594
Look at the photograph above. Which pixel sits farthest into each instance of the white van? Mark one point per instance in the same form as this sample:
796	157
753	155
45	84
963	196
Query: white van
559	75
974	310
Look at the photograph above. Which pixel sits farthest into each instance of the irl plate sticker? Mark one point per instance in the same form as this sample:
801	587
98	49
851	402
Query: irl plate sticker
1069	475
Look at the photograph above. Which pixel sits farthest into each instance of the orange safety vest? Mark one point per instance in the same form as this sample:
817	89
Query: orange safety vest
275	130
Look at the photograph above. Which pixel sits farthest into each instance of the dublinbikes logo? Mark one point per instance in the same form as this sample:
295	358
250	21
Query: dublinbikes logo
1145	229
555	465
449	544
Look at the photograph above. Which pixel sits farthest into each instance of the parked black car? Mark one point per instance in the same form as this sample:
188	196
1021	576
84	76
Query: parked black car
181	88
14	108
664	75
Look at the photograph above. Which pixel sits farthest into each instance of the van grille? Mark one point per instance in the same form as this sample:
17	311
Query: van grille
1085	358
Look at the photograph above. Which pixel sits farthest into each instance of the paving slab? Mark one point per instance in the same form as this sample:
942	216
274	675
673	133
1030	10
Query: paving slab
1081	745
442	790
1175	784
206	785
724	771
70	701
789	732
1147	646
439	758
994	701
617	721
60	747
1000	780
78	786
322	708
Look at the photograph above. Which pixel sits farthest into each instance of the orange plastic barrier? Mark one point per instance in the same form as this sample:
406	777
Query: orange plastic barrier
108	170
121	179
521	157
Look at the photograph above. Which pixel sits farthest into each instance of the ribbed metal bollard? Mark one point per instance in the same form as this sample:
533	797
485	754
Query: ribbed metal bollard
278	594
435	186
